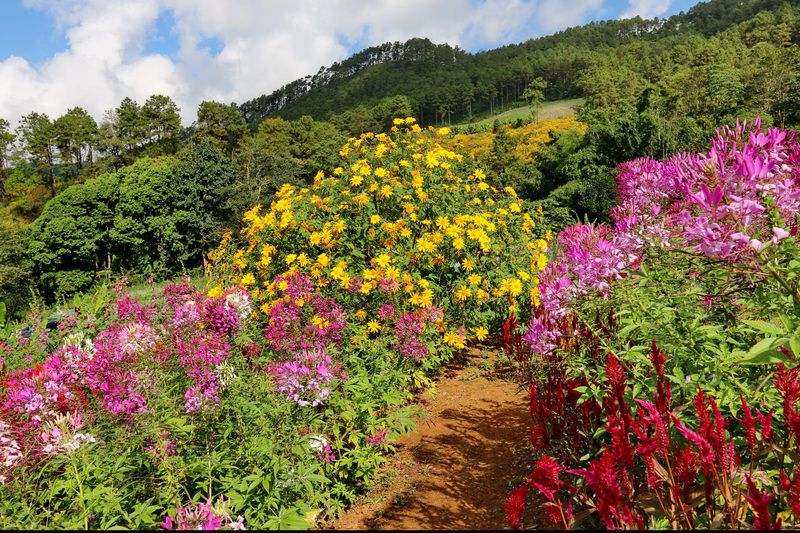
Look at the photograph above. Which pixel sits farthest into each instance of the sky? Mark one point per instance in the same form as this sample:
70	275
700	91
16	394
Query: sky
57	54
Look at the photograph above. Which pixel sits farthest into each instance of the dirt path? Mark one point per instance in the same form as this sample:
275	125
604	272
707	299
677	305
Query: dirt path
455	470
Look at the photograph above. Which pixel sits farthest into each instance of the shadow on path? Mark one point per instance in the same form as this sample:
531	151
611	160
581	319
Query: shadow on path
455	470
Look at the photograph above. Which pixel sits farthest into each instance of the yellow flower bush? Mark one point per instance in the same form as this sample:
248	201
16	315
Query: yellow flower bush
403	221
531	138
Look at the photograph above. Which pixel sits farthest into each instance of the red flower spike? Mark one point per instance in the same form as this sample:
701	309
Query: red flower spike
793	496
707	455
759	502
514	506
544	477
765	421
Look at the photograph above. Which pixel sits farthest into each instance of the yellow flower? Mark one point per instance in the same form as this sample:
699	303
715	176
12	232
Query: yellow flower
468	264
289	259
302	259
463	293
514	287
248	279
355	181
283	285
481	333
320	322
424	245
216	292
453	339
361	314
383	260
366	287
323	260
386	192
374	219
373	326
474	279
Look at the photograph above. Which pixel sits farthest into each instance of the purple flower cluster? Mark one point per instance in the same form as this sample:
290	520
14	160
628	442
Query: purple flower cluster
409	329
303	319
205	516
725	204
307	378
51	407
378	438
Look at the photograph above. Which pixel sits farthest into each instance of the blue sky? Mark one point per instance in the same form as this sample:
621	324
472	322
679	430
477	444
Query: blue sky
55	54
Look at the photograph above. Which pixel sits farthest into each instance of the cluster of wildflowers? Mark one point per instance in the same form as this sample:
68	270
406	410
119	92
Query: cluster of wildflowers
654	457
378	438
302	318
726	211
50	408
10	451
308	377
322	448
409	329
403	225
727	203
60	435
205	515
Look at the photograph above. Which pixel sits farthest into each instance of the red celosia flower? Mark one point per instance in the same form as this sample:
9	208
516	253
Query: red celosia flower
765	421
544	477
759	502
515	505
685	469
793	496
749	426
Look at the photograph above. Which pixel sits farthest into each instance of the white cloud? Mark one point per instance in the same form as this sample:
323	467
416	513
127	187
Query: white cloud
647	9
555	15
265	44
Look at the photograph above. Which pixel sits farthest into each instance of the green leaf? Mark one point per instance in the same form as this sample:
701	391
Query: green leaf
765	327
627	329
794	345
763	345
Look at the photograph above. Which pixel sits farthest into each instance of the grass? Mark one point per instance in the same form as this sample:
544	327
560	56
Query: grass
555	109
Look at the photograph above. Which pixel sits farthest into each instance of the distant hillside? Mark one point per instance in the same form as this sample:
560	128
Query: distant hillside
447	84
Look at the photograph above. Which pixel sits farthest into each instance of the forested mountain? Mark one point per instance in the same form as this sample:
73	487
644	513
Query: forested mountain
446	83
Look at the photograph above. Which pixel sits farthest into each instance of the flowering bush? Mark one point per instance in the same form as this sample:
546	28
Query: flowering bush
403	223
701	264
173	392
657	471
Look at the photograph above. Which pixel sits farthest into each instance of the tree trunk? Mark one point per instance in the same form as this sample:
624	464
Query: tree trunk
3	194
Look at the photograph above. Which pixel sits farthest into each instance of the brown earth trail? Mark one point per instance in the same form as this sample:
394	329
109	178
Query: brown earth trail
457	467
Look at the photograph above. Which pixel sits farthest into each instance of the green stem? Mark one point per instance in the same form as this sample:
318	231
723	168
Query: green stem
80	492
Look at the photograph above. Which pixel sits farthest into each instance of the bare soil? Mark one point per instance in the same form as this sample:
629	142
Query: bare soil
454	471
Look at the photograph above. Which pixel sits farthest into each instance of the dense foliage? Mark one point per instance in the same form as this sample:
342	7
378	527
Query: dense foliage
689	299
270	400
